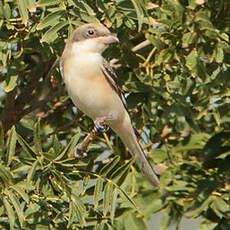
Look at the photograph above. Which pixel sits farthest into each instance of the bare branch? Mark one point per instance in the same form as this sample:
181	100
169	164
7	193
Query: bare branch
134	49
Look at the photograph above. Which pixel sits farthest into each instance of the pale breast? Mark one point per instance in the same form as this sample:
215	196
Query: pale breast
89	89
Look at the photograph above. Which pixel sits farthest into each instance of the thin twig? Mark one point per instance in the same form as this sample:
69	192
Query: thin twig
134	49
141	45
42	102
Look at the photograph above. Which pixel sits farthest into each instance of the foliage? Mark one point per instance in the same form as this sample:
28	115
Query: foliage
178	95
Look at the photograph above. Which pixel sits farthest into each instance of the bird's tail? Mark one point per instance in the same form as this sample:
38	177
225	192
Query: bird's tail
127	134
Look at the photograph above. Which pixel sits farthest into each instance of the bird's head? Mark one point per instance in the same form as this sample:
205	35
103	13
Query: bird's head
92	37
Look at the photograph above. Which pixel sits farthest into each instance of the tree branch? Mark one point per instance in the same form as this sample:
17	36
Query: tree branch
14	108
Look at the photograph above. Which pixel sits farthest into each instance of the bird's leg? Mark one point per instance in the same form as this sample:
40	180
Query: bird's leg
100	126
80	148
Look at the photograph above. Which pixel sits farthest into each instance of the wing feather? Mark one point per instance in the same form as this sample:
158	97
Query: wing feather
112	79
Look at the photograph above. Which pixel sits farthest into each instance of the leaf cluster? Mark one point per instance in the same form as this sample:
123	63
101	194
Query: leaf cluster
177	90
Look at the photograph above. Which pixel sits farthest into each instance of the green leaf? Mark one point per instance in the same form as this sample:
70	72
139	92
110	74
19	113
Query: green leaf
196	211
79	208
152	204
10	83
72	214
2	146
110	167
125	197
108	197
1	10
155	41
135	223
11	145
10	213
191	60
30	152
32	171
17	207
138	87
224	36
219	55
83	6
207	225
217	145
220	205
57	145
98	191
113	204
187	39
166	220
5	175
50	20
120	173
164	56
23	11
7	11
21	191
37	138
31	5
51	34
42	3
69	148
139	11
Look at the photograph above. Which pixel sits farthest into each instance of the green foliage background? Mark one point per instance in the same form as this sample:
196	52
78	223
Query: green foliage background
178	93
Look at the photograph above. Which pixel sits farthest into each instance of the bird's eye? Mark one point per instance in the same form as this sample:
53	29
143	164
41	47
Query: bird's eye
90	32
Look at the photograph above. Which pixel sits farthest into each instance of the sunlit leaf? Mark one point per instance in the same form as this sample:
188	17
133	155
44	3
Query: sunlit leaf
42	3
108	197
120	173
1	141
17	207
132	222
10	212
37	138
109	167
69	148
32	171
21	191
10	83
5	175
113	204
51	34
80	209
26	146
173	65
11	145
31	5
97	191
23	11
49	20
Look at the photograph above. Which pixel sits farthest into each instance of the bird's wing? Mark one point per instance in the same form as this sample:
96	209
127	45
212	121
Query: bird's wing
112	79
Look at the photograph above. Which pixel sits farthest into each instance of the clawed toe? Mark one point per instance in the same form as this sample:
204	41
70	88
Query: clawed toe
101	128
100	125
79	152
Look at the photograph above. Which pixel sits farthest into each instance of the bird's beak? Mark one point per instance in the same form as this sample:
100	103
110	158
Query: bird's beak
108	39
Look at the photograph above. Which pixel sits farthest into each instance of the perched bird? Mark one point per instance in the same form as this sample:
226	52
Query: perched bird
95	90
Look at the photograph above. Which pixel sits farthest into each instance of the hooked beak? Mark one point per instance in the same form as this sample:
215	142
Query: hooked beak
108	39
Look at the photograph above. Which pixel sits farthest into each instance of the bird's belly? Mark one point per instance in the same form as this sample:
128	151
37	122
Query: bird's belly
94	97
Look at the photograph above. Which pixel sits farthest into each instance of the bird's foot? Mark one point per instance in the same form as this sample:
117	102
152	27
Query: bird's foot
80	151
100	126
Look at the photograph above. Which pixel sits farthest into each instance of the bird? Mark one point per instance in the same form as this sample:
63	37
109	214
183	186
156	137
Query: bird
94	88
